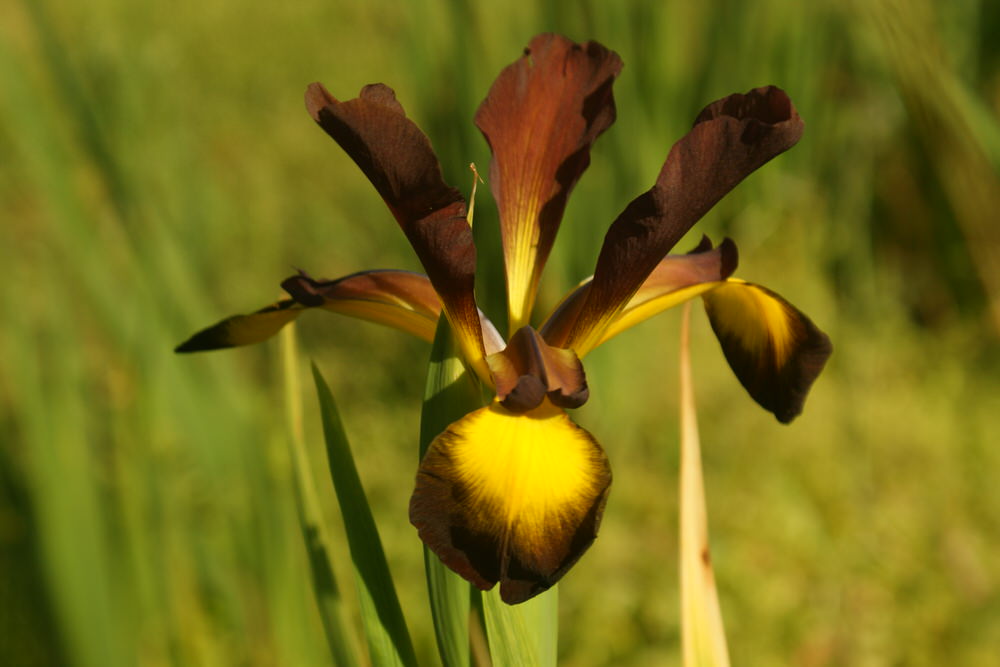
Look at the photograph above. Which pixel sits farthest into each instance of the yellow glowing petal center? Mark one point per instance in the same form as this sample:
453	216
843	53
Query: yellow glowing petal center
756	318
526	468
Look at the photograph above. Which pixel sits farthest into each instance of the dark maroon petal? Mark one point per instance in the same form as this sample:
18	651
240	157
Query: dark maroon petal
398	159
540	118
730	139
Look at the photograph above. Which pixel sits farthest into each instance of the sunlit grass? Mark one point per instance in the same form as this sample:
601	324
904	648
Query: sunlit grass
157	169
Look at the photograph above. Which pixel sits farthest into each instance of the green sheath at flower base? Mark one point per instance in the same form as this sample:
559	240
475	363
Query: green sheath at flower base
513	493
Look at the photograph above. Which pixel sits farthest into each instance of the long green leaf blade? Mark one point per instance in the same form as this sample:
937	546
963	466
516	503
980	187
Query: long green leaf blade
311	520
385	627
450	393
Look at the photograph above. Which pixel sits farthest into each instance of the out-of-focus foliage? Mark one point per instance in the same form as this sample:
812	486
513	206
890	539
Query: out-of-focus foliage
158	171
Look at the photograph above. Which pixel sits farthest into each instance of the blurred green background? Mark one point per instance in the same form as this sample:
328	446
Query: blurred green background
158	171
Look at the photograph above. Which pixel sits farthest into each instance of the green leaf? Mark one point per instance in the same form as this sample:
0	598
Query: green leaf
512	639
385	628
451	392
702	636
311	521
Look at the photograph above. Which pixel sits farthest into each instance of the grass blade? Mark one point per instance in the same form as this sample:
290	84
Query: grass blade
385	628
450	393
311	521
702	635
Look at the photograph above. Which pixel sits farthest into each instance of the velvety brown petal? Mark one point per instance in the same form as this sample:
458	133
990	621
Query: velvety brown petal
243	329
514	499
675	279
398	159
529	370
400	299
730	139
775	350
540	118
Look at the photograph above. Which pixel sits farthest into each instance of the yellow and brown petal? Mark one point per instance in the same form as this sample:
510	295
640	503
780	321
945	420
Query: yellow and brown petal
773	348
675	279
540	118
398	160
511	498
400	299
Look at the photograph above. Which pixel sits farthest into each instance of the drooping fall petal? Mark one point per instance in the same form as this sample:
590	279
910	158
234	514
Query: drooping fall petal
398	159
399	299
528	370
514	499
540	119
675	279
730	139
774	349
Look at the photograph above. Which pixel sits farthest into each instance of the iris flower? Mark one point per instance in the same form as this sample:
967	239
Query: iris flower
514	492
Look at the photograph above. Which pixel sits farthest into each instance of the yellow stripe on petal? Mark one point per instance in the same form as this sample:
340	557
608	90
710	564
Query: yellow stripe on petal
772	347
645	308
511	498
418	323
676	279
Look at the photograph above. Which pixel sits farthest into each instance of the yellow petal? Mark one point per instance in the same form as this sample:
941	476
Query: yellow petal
511	498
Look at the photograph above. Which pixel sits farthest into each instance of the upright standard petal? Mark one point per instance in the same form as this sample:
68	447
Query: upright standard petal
675	279
774	349
730	139
400	299
514	499
540	119
398	159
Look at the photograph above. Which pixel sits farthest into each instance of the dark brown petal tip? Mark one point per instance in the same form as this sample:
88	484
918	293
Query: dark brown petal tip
514	499
243	329
541	118
528	370
730	139
398	159
773	348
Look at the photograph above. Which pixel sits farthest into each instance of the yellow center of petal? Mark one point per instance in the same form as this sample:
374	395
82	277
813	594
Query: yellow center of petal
528	469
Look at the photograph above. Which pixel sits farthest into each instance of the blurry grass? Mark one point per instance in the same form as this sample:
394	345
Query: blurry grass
157	171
